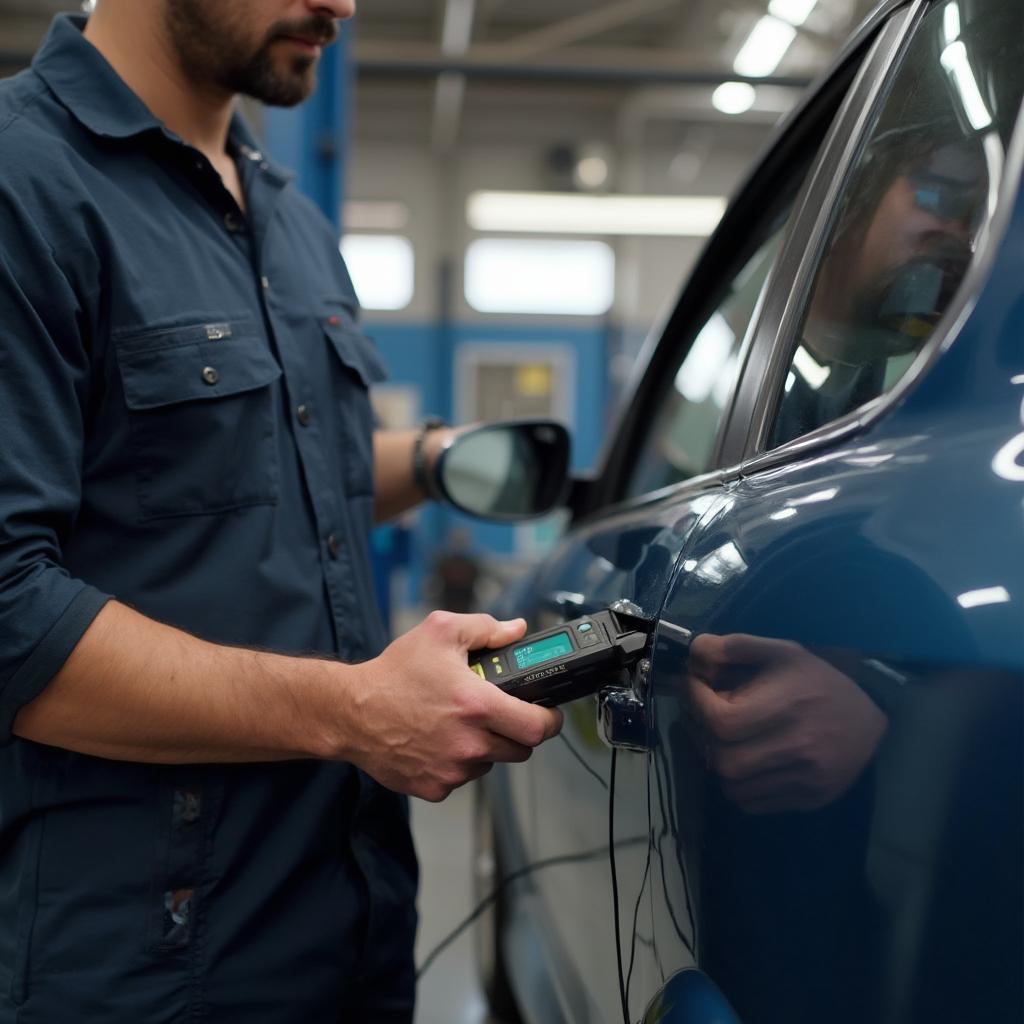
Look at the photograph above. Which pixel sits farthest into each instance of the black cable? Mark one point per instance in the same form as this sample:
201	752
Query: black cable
643	886
688	943
529	869
615	887
579	757
566	858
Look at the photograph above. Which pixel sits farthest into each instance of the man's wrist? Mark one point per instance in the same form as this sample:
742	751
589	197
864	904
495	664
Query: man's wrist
423	459
328	720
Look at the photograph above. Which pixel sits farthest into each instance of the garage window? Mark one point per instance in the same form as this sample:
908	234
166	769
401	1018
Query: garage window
523	275
383	270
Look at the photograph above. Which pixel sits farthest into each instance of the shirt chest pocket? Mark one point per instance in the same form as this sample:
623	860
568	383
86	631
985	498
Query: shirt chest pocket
359	368
202	417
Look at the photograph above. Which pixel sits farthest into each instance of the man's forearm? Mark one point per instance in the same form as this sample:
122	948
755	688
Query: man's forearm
136	690
394	487
416	718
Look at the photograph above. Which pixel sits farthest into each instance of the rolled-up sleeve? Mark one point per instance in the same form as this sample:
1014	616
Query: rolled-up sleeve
44	394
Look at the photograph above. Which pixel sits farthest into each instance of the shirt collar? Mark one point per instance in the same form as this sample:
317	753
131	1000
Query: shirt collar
82	80
242	141
97	96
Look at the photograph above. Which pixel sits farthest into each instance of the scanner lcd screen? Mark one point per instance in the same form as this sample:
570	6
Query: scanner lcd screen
541	651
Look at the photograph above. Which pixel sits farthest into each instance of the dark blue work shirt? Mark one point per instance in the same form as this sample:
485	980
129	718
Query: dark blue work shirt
184	426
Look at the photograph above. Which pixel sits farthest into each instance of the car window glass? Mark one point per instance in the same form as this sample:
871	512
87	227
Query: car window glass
685	425
919	195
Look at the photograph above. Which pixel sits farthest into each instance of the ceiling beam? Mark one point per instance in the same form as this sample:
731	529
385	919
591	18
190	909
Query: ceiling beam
633	64
580	27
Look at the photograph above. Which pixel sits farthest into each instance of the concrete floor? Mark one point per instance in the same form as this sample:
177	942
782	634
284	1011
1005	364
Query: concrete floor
449	992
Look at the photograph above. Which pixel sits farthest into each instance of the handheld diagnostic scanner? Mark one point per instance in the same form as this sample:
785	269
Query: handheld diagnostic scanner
569	661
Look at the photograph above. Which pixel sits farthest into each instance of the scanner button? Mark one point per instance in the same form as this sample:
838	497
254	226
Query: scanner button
589	641
585	627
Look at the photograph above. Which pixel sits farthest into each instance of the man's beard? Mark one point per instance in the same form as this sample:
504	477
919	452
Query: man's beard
212	49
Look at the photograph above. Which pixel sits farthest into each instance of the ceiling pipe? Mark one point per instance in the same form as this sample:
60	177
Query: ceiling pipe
378	67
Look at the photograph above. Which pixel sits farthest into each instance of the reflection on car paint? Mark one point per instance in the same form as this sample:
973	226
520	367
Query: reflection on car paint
690	997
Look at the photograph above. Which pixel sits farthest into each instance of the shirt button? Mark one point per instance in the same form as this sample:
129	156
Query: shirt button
232	222
305	417
210	375
333	545
265	283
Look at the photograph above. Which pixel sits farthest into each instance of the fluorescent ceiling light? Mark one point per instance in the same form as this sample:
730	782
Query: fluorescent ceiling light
566	277
793	11
382	268
734	97
765	47
592	171
956	62
457	31
560	213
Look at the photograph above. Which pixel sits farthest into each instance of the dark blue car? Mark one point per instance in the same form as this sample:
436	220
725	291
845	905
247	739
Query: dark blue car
808	807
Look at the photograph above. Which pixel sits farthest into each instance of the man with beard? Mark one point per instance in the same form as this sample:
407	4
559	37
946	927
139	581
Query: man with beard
203	738
901	249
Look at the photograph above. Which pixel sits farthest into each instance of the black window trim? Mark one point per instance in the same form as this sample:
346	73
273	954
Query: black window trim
719	258
756	456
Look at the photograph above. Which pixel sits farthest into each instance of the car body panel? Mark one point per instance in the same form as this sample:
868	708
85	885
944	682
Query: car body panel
872	907
558	808
878	564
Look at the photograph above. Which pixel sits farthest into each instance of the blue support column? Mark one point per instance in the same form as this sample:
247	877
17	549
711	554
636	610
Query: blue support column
312	139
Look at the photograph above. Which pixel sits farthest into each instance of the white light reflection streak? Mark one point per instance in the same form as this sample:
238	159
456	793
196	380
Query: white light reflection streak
703	366
1007	462
994	157
954	59
951	23
809	368
811	499
723	563
988	595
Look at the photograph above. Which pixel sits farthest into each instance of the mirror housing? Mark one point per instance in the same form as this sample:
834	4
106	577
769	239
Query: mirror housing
506	472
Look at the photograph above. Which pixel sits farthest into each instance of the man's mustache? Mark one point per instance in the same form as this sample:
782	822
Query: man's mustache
316	29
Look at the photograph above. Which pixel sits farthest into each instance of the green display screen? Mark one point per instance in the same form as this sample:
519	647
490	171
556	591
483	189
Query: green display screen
548	649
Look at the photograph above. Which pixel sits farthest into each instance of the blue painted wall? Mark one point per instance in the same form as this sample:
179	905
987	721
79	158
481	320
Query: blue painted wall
312	139
423	356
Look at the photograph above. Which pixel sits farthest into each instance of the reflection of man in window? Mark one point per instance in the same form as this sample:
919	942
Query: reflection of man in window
901	250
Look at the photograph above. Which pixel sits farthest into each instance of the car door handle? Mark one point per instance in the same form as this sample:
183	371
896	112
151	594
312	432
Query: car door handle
622	712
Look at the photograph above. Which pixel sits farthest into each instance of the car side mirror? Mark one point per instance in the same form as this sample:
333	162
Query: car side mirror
506	471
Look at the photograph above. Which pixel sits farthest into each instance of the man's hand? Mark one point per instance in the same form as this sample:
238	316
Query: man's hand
788	732
423	723
416	718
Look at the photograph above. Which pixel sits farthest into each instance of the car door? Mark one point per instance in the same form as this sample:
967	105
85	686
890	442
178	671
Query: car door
836	690
553	814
